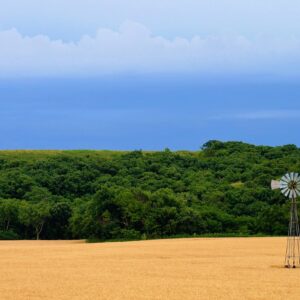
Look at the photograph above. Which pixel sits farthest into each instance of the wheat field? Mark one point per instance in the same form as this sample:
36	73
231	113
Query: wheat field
221	268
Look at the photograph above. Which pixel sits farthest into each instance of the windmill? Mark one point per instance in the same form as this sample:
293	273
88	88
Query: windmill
290	187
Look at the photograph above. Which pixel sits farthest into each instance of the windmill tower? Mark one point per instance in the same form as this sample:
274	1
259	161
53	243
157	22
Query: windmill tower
290	187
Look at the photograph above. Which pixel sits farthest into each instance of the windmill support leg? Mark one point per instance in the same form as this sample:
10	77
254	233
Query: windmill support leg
292	256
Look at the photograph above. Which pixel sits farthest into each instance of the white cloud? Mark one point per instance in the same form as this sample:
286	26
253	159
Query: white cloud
133	48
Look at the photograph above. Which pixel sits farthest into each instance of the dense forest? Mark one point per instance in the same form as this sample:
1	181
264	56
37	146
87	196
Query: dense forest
224	188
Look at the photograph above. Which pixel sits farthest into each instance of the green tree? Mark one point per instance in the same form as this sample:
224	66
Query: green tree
34	215
8	213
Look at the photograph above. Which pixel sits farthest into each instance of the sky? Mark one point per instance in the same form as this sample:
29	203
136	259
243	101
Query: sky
139	74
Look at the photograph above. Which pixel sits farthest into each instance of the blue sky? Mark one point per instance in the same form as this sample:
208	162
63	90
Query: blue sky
148	74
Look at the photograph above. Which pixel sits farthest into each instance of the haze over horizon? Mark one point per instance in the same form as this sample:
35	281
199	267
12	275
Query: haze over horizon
141	75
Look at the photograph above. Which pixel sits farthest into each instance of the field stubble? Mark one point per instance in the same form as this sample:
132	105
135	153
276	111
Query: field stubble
212	268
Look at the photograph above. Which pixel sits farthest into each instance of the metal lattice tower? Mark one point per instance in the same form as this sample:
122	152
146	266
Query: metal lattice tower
290	187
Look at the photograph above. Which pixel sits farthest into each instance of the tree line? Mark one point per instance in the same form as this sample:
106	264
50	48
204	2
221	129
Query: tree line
224	188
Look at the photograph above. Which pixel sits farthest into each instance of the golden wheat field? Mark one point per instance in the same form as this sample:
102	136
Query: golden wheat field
223	268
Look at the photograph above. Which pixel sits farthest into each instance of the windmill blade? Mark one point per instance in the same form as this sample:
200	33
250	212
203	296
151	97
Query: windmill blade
285	190
287	185
293	194
283	184
275	185
285	178
287	193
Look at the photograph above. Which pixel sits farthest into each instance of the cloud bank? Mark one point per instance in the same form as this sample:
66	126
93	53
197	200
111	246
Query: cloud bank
133	48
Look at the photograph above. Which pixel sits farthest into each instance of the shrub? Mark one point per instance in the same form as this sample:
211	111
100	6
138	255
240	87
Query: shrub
8	235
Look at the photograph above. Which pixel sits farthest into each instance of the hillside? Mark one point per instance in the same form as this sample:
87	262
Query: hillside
222	189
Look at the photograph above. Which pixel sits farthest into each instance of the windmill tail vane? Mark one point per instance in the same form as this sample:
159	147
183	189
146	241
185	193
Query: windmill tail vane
290	187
